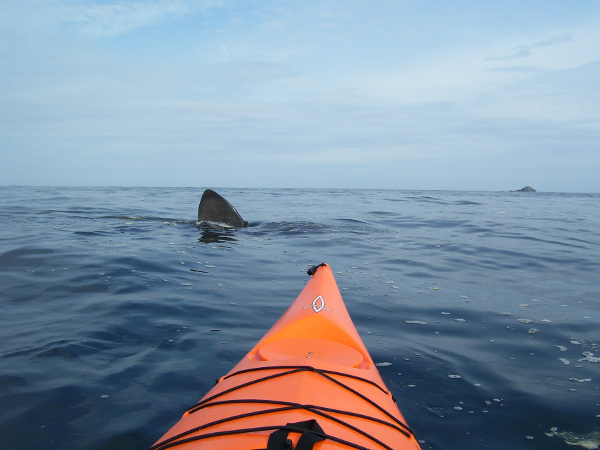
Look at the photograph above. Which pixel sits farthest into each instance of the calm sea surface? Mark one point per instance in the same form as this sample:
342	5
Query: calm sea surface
118	311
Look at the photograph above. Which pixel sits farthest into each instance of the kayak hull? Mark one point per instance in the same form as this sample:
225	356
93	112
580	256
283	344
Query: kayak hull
309	383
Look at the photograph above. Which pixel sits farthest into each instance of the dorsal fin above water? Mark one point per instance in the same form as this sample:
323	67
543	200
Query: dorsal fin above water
214	208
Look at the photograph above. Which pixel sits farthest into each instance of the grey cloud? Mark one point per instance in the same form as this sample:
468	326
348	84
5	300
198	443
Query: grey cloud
515	69
556	40
524	52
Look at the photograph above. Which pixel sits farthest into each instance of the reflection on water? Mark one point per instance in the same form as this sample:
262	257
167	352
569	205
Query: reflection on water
212	234
585	440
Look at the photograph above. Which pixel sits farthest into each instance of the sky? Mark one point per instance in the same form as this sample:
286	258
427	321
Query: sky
383	94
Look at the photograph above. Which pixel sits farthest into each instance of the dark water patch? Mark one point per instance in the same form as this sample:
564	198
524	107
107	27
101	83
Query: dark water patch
586	243
427	199
175	381
42	426
352	227
502	258
520	236
132	230
353	222
124	441
384	214
63	350
93	287
411	222
91	233
137	266
467	203
295	229
125	375
8	381
118	336
132	288
420	275
393	199
25	256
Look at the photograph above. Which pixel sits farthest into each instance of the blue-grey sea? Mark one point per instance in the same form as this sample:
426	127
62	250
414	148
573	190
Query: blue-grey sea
118	311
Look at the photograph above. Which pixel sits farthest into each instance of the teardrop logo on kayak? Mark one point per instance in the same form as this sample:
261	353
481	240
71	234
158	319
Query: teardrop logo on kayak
318	305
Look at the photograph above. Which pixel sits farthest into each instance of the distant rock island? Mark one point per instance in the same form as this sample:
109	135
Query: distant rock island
526	189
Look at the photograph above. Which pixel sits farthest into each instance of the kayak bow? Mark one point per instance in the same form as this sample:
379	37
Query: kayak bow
309	384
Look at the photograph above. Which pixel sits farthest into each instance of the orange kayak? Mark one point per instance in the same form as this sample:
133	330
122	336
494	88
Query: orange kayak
309	384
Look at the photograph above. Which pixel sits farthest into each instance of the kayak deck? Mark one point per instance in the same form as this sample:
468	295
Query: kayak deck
308	384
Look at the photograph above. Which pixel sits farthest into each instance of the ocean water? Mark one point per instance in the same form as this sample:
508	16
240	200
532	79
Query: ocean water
118	311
